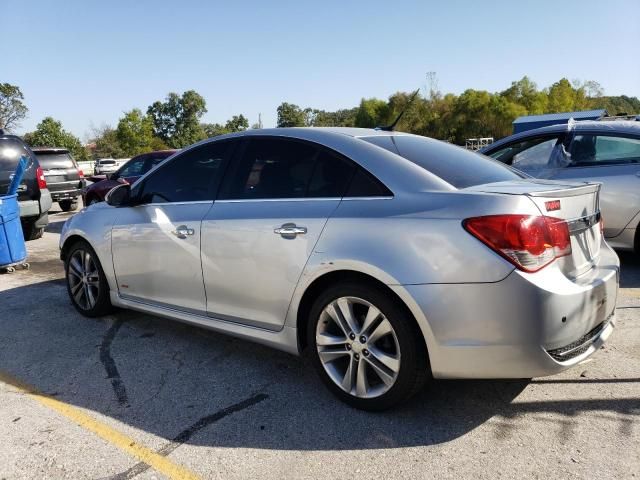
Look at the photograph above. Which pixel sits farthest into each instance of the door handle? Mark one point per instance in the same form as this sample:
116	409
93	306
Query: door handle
290	230
183	231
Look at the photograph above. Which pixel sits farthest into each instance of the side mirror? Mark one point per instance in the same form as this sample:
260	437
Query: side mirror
119	196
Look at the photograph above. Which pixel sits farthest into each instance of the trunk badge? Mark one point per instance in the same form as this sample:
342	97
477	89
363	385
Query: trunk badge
552	205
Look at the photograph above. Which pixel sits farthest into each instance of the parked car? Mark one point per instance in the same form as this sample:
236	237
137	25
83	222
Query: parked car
64	179
591	151
127	173
391	258
105	165
33	196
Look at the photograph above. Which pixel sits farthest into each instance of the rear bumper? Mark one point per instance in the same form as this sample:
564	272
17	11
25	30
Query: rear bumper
527	325
36	208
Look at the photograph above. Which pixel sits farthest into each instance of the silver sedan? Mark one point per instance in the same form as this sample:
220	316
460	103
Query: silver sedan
390	258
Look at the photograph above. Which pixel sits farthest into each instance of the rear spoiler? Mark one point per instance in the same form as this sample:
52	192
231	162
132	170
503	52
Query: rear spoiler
569	192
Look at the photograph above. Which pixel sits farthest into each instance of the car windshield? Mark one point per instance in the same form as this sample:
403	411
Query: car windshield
455	165
54	160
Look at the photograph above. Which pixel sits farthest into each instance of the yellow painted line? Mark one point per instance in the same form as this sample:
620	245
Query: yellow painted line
158	462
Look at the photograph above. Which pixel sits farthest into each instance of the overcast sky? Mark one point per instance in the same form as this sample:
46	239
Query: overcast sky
85	62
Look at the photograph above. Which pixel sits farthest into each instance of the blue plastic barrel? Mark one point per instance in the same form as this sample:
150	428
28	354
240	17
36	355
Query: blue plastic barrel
12	247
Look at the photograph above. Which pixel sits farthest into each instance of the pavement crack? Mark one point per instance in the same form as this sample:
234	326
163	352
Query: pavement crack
189	432
110	365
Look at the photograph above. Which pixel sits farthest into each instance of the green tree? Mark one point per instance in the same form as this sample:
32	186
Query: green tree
12	108
525	92
49	133
372	113
107	144
134	134
176	121
237	123
291	115
562	97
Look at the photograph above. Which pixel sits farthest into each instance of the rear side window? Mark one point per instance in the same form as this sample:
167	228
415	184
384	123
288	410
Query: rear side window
364	184
271	168
455	165
52	160
331	176
189	177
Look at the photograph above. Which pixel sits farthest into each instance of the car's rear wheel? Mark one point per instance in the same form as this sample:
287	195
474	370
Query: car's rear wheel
68	205
86	283
366	347
31	231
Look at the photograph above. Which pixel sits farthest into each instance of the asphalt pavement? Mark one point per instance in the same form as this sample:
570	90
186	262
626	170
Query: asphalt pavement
134	396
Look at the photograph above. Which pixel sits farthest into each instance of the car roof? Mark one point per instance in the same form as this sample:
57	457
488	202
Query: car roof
594	126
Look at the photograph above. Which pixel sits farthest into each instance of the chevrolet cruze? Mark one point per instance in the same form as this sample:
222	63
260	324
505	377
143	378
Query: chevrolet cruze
390	258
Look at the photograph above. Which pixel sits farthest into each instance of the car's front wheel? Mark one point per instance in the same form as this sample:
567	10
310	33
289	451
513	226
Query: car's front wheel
86	283
366	347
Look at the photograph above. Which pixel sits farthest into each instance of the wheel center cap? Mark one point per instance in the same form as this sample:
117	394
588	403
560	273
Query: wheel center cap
357	347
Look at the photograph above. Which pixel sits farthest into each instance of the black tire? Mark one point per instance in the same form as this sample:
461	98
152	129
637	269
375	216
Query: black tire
68	205
102	304
31	232
414	369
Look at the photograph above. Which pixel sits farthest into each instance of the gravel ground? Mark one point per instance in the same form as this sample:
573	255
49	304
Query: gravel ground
224	408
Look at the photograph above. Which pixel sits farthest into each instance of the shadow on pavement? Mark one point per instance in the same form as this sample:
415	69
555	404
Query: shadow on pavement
181	383
629	270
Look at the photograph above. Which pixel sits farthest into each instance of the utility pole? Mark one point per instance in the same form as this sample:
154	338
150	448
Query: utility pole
432	82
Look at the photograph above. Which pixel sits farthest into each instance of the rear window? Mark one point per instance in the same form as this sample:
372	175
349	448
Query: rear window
107	162
54	160
10	153
455	165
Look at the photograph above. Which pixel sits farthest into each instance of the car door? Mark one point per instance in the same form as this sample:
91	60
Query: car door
156	243
259	234
613	160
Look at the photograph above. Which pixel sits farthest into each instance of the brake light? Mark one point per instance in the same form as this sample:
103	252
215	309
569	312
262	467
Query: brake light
529	242
42	183
80	173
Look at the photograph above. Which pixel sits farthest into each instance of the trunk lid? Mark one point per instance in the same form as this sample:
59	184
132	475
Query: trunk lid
577	203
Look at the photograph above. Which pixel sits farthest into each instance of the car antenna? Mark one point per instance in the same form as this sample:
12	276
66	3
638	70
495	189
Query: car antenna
389	128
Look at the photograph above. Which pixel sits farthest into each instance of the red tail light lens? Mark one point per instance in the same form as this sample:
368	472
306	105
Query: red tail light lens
529	242
80	173
42	183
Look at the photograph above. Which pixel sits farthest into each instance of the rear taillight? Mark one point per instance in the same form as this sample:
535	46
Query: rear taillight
80	173
42	183
529	242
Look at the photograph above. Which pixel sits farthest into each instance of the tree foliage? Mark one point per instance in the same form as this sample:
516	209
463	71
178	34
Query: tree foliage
134	134
12	107
176	121
49	133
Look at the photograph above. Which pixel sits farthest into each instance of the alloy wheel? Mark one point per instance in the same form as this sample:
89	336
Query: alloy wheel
84	279
358	347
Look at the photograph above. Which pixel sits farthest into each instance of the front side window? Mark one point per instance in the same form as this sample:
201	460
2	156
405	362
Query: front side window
592	150
189	177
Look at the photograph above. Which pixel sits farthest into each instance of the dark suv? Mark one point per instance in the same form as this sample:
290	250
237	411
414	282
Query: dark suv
33	196
64	179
